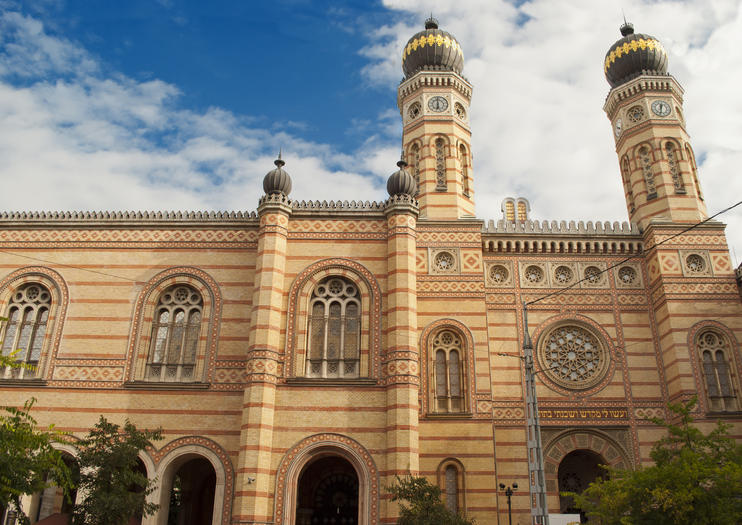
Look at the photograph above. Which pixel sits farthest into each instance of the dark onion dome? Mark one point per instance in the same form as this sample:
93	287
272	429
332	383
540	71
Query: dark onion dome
401	182
432	49
277	180
633	55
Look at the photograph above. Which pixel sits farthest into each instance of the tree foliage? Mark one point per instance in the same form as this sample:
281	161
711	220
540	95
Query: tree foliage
115	488
425	505
28	462
696	478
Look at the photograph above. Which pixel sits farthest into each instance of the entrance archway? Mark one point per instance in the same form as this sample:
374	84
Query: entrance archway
192	491
576	471
327	493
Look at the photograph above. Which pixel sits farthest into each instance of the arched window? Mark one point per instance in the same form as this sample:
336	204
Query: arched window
626	174
694	170
677	179
175	333
452	488
440	165
464	157
715	360
646	162
25	329
449	374
414	163
334	329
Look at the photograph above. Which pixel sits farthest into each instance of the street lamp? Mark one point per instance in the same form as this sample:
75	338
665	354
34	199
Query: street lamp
509	493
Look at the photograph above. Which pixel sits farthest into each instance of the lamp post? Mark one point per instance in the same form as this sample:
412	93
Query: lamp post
509	493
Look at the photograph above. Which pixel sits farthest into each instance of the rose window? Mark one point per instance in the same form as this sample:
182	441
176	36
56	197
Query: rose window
562	275
592	274
534	274
573	357
627	275
444	262
498	274
636	114
695	263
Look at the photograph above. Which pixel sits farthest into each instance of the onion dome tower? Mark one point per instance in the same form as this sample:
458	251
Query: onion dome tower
401	182
433	100
633	55
656	160
277	180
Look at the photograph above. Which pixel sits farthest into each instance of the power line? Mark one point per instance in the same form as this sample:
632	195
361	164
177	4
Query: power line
619	263
37	259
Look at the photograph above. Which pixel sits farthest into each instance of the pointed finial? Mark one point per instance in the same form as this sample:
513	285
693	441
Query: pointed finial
431	23
627	28
401	163
279	161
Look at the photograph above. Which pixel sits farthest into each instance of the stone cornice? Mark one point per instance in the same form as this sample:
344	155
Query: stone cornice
433	79
656	83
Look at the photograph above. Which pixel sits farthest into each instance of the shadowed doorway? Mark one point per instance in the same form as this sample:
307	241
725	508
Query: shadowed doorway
327	493
576	471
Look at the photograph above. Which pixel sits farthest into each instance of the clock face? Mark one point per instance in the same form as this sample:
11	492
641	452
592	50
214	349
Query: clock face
618	127
661	108
437	104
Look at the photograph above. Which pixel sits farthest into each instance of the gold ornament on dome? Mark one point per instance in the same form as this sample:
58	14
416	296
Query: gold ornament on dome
632	47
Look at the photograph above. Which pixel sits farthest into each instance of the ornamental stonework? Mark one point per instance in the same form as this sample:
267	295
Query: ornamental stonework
695	263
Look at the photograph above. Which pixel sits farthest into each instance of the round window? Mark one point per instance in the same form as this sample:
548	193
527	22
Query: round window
573	356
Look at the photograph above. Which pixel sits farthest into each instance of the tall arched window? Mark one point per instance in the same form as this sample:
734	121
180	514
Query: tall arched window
414	163
626	174
646	162
677	179
694	170
452	488
440	165
25	329
715	360
175	332
464	157
449	374
334	328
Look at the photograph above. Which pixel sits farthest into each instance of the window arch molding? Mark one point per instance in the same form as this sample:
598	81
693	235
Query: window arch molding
584	322
59	291
733	360
443	480
428	364
298	312
144	310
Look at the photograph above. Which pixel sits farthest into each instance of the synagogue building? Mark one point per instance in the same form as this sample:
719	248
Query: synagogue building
300	356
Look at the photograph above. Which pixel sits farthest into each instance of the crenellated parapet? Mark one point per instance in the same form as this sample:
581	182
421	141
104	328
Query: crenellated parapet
561	237
128	216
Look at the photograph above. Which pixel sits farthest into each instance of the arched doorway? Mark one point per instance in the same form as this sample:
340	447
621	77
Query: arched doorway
577	470
327	493
54	506
191	500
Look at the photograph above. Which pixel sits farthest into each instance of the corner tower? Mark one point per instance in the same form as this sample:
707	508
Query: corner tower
434	100
645	106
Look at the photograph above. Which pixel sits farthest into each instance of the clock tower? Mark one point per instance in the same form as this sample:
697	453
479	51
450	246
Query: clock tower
433	100
645	107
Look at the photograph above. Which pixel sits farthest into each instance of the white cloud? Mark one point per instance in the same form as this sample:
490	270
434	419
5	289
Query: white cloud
538	129
75	136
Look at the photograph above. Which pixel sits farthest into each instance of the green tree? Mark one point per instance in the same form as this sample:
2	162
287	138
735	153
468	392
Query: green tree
696	478
28	462
115	488
425	505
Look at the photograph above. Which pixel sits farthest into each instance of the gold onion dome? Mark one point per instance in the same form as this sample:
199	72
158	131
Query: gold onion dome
401	182
277	180
633	55
432	49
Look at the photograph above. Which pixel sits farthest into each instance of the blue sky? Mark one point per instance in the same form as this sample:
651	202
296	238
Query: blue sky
183	105
282	64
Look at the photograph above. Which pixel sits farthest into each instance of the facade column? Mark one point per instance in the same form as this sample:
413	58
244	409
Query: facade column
254	488
401	359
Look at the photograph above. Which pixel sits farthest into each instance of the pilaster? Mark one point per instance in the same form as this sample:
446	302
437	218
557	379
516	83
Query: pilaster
401	357
253	502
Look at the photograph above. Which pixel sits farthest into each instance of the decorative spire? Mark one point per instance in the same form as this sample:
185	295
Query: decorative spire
627	28
431	23
401	182
277	180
